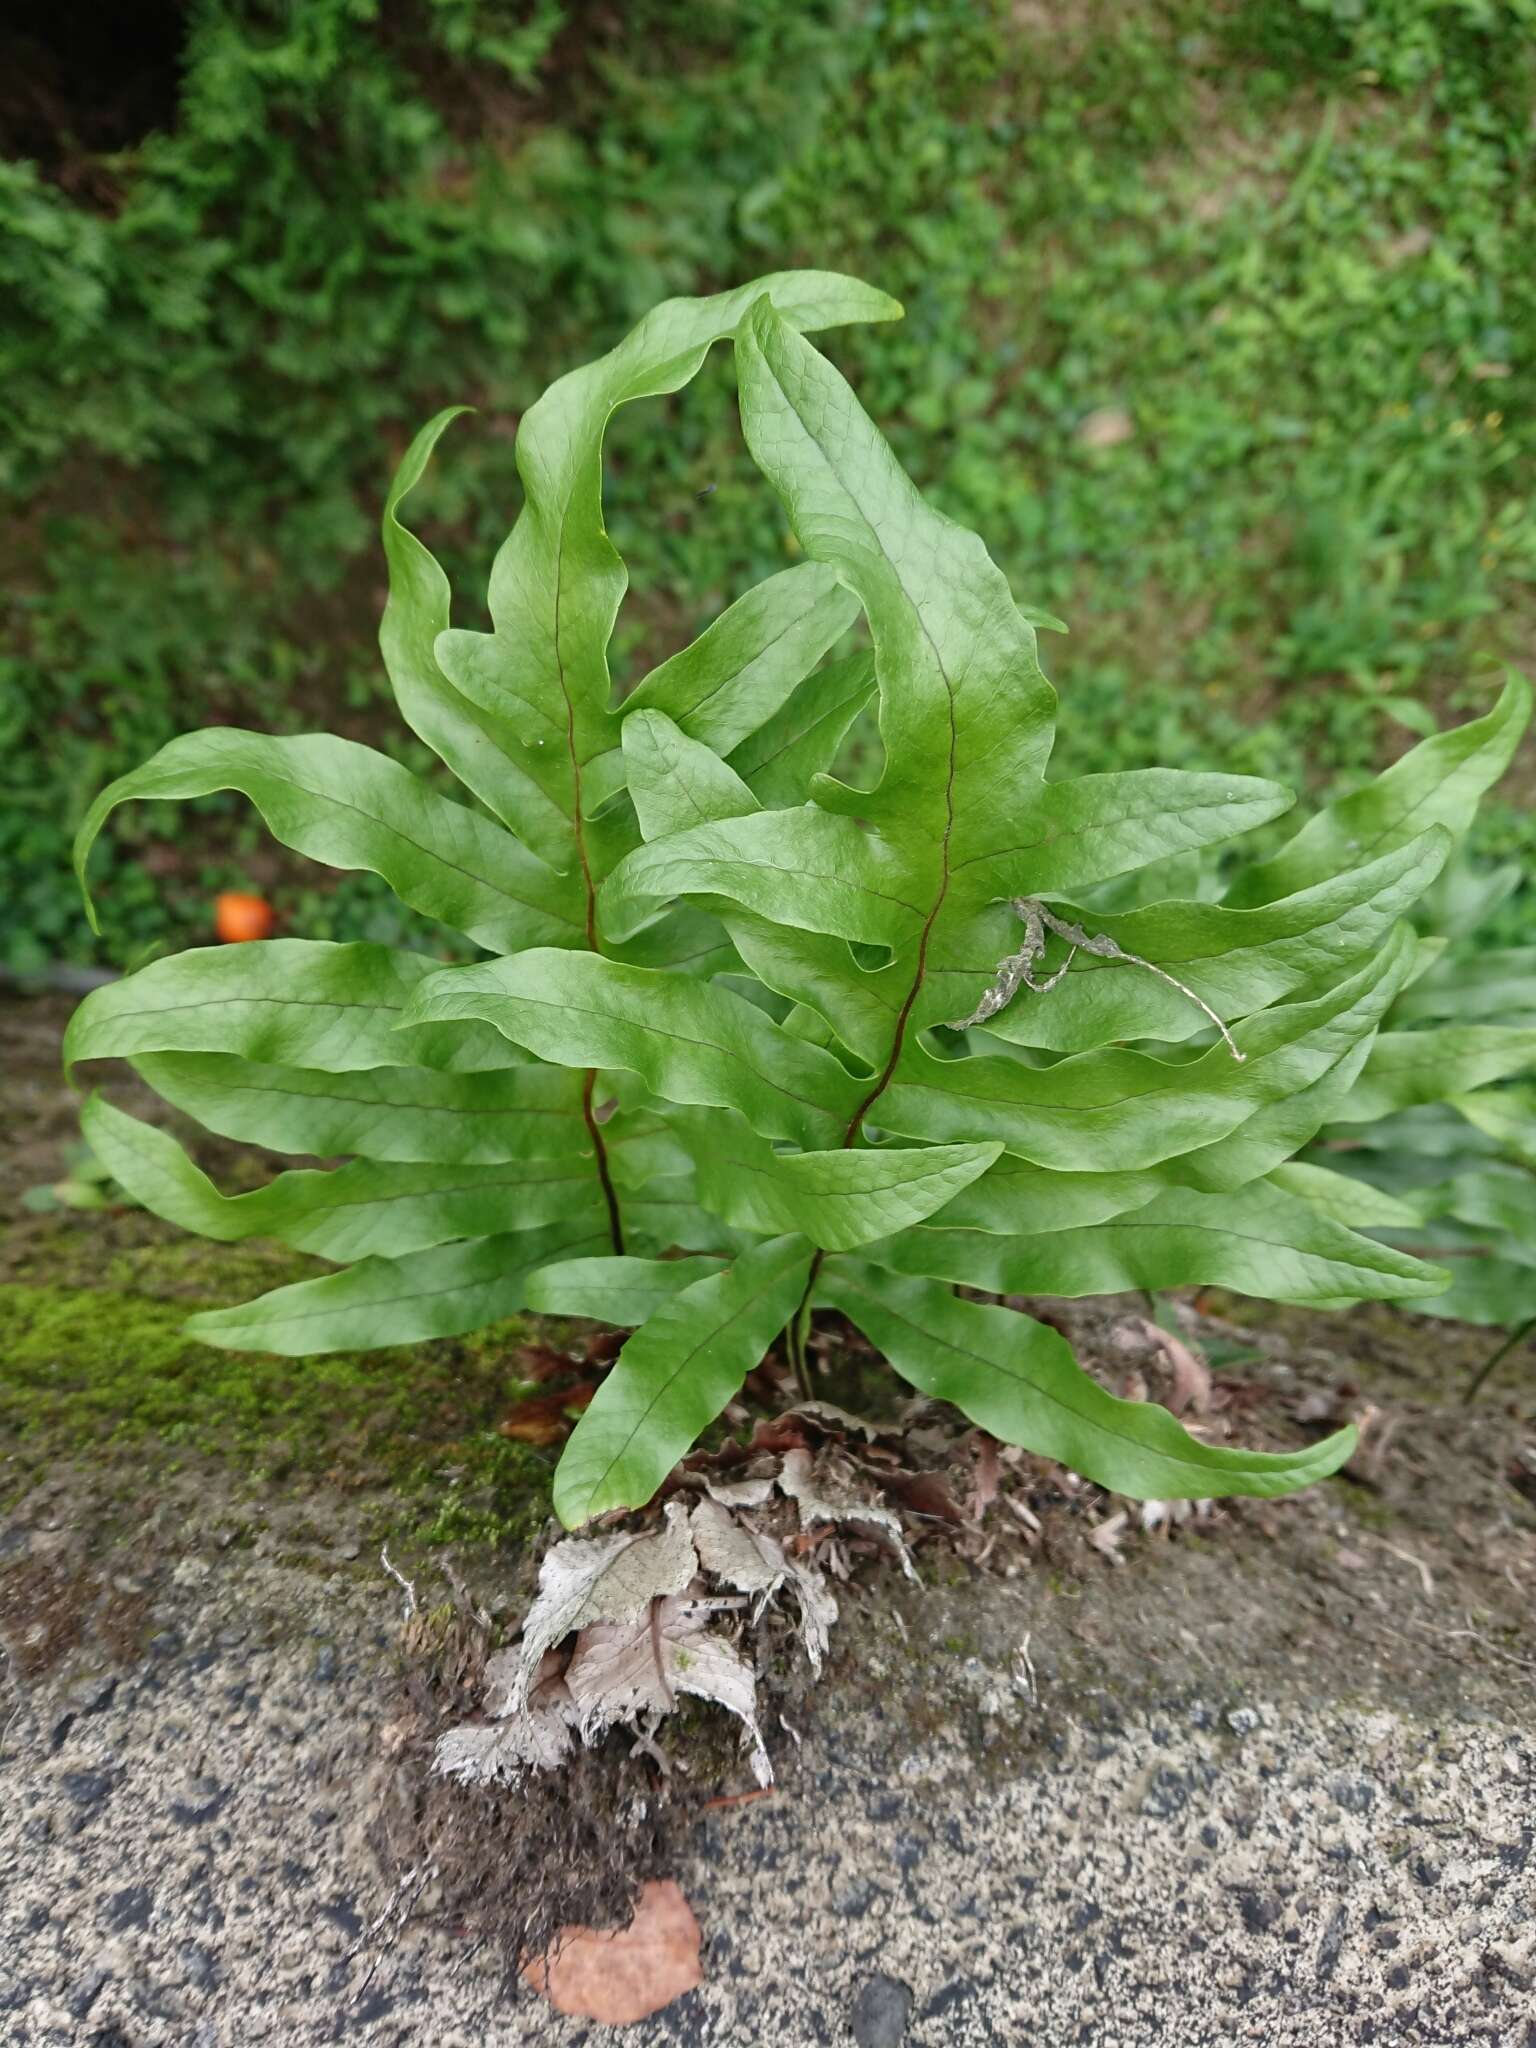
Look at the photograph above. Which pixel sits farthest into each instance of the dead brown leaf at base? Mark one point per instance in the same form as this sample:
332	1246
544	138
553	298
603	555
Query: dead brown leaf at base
546	1418
626	1974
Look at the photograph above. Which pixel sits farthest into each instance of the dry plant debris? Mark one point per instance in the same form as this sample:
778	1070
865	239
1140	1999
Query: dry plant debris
624	1625
738	1559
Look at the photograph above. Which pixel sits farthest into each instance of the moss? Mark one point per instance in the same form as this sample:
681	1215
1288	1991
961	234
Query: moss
93	1369
501	1497
1366	1506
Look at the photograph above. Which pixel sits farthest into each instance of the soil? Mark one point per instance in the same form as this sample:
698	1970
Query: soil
1269	1776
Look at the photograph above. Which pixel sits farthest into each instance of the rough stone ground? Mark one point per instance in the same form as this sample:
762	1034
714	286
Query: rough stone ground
1270	1781
1203	1839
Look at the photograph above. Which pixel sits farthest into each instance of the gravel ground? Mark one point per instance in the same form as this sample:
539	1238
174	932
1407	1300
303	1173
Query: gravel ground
1298	1854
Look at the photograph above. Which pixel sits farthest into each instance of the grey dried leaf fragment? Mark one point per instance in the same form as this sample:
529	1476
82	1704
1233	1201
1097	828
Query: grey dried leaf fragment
826	1412
745	1557
624	1671
734	1550
740	1493
823	1496
535	1735
604	1578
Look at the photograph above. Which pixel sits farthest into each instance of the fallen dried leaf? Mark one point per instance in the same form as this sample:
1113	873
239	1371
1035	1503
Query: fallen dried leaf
546	1418
754	1563
535	1736
1107	1536
540	1362
1378	1434
780	1433
821	1496
989	1473
922	1493
604	1578
766	1384
604	1346
623	1976
739	1493
1191	1382
623	1669
746	1558
839	1420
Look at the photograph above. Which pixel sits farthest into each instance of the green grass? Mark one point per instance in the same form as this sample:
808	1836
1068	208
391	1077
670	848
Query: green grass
1221	326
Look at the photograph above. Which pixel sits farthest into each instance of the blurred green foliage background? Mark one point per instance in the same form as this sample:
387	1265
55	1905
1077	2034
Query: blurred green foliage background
1221	328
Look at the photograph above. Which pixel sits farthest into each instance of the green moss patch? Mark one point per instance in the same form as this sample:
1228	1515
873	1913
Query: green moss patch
93	1370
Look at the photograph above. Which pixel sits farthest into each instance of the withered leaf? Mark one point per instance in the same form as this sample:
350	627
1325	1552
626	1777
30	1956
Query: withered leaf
540	1362
822	1496
840	1421
546	1418
989	1473
604	1578
923	1493
750	1492
752	1561
780	1433
536	1736
622	1670
623	1976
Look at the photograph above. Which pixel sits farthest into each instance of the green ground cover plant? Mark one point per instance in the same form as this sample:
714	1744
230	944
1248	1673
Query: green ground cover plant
747	1040
1438	1134
1221	321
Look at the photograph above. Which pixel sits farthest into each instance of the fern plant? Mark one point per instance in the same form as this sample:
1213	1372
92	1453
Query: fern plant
746	1040
1435	1144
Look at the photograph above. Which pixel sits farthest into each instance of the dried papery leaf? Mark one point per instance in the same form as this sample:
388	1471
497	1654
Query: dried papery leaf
1191	1381
602	1347
502	1679
1107	1536
540	1362
920	1493
739	1493
822	1494
522	1736
624	1671
989	1472
840	1421
546	1418
603	1578
623	1976
780	1433
818	1612
502	1752
734	1549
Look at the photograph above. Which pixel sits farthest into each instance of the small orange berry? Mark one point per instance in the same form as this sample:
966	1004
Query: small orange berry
237	917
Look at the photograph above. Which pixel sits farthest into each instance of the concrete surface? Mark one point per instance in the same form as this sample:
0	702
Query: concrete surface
1226	1844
